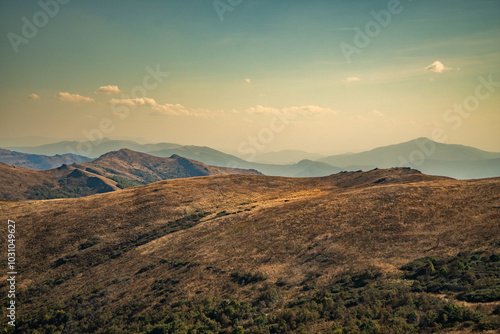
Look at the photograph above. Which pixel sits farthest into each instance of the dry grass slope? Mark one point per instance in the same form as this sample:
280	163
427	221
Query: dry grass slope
199	231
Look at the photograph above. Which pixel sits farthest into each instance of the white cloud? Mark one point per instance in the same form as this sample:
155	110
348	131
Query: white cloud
351	79
263	110
109	89
74	98
164	109
437	67
301	111
34	96
376	113
248	80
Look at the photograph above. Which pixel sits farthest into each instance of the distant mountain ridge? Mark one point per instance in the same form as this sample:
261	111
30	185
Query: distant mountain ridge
92	149
286	157
203	154
112	171
145	168
41	162
430	157
389	156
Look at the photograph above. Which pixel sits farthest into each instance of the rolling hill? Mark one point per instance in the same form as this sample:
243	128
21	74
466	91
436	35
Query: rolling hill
40	162
386	251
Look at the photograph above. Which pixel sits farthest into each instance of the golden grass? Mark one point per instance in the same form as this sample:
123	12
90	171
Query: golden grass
294	230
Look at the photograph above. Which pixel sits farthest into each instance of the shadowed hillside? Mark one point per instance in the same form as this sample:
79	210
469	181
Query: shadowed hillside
267	254
112	171
18	183
144	168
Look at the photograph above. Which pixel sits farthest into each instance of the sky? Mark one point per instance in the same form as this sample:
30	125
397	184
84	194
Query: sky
321	76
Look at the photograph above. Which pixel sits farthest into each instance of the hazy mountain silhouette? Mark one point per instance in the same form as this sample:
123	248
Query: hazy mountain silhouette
286	157
203	154
94	148
36	161
428	156
456	161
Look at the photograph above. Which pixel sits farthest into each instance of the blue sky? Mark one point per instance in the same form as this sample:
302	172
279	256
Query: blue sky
228	79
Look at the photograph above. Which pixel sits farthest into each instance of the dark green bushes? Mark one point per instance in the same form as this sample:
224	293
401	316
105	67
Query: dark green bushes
364	302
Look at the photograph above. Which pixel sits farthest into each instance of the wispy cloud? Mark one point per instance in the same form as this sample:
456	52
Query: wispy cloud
164	109
109	89
351	79
309	110
34	96
73	98
248	80
376	113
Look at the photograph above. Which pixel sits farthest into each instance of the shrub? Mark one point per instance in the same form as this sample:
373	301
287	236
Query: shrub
247	278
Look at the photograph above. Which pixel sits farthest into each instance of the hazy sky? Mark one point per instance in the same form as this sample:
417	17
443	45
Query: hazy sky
322	76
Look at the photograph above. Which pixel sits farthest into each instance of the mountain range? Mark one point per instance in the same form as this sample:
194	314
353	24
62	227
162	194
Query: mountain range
112	171
203	154
38	161
430	157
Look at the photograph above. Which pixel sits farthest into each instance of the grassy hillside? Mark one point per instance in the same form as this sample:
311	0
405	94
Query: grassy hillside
18	183
385	251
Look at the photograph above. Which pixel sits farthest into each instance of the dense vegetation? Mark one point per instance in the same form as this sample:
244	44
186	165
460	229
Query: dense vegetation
474	278
365	302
